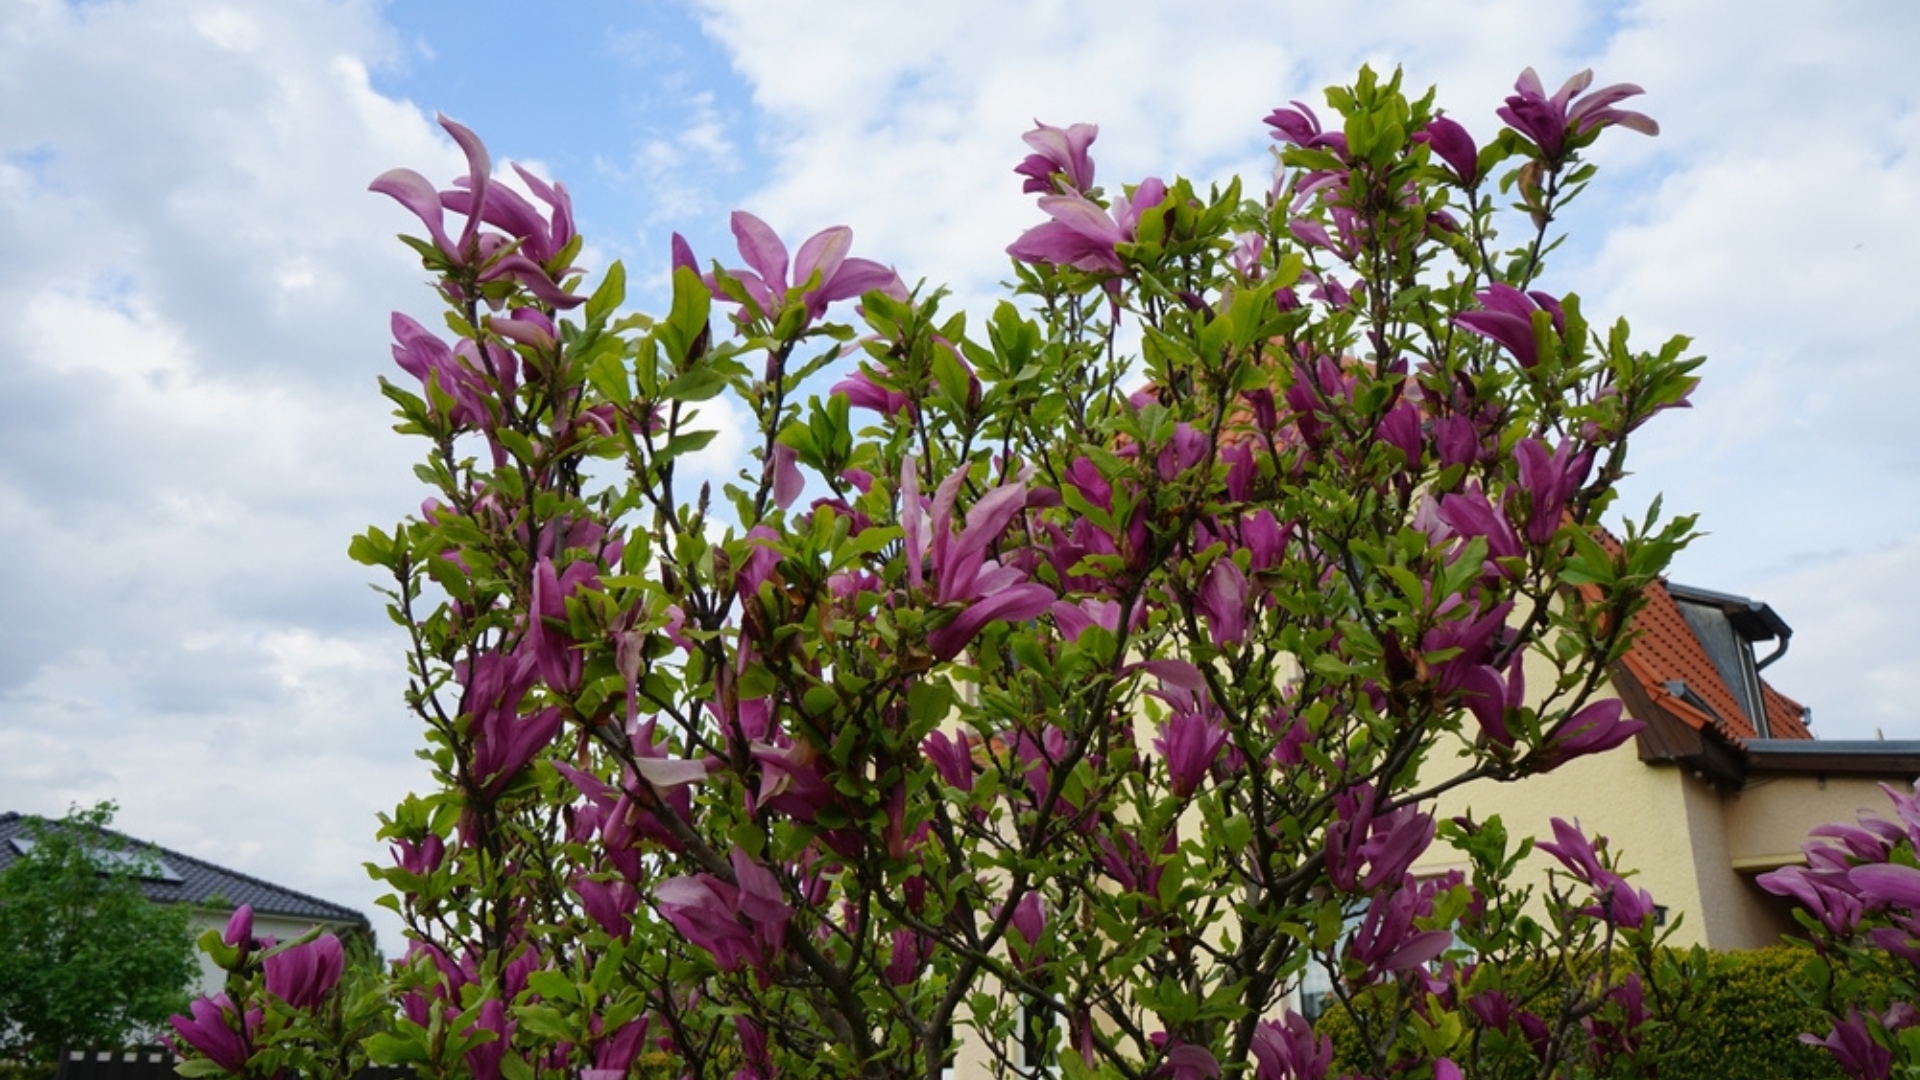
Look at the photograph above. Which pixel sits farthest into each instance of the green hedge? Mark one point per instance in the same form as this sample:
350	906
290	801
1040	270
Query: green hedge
1746	1025
1749	1023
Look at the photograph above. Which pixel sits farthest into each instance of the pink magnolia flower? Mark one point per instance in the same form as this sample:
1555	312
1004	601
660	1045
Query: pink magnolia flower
1058	151
1082	234
961	571
1549	121
211	1030
821	267
532	243
1831	897
301	975
865	392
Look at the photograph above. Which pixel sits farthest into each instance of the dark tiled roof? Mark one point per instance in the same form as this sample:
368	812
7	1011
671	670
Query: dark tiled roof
202	883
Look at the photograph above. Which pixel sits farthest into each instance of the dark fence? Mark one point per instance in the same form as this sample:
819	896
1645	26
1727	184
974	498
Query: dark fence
156	1063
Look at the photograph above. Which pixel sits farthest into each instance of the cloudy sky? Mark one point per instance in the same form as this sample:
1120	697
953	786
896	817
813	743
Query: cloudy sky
197	287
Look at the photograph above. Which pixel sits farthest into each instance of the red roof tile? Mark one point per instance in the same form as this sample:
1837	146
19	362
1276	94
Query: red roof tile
1665	656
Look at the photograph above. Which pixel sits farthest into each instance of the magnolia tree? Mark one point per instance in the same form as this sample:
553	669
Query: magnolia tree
1030	699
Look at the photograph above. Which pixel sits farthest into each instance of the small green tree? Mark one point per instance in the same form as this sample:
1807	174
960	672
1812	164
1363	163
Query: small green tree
85	958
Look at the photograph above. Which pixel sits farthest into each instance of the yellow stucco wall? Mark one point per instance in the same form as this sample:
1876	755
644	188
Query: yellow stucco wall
1695	847
1643	811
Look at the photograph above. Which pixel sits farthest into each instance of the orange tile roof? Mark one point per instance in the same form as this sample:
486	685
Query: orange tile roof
1666	653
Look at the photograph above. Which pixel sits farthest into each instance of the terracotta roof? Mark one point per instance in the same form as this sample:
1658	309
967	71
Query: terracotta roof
1785	716
187	880
1674	672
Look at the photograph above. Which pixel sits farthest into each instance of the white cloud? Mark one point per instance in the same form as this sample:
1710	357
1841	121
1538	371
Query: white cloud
198	277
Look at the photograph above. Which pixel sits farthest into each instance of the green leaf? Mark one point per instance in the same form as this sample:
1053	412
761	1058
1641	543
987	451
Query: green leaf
612	290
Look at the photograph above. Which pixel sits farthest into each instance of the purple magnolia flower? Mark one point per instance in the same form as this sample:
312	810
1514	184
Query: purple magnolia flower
1506	316
1490	697
1223	600
822	267
1030	922
504	741
484	1059
419	857
417	194
454	371
533	243
1190	741
1388	941
301	975
554	654
1400	429
239	932
1887	883
614	1056
1058	151
1185	1061
1550	480
862	390
1367	850
1549	121
1288	1049
961	571
1617	901
753	1050
1853	1046
703	908
1600	726
951	757
1301	127
541	238
608	903
1574	850
1468	514
1084	235
211	1031
1449	140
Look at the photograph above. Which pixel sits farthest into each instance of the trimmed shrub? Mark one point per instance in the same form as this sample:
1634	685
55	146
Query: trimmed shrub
1744	1024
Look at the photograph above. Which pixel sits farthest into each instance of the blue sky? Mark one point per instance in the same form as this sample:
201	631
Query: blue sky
198	288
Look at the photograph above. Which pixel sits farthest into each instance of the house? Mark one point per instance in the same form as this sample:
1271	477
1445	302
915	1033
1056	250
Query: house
213	892
1724	782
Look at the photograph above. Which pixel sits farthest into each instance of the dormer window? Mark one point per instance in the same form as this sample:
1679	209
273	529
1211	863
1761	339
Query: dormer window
1727	627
